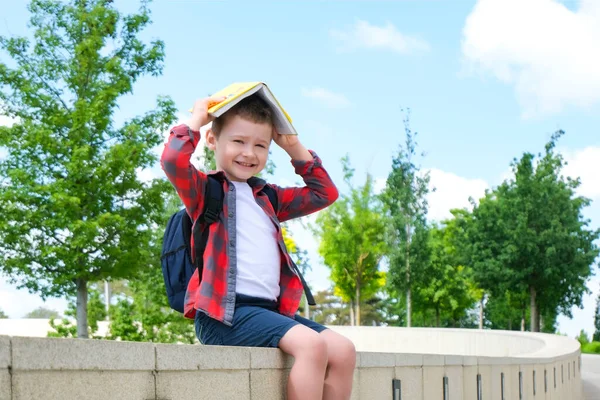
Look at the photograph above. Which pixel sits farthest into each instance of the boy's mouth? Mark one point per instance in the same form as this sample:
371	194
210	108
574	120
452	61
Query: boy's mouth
246	165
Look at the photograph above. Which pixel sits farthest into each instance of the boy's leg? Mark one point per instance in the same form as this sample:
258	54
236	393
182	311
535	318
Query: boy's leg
340	366
309	349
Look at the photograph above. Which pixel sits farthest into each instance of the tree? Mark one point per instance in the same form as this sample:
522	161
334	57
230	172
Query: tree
95	312
596	336
352	233
529	237
405	198
3	314
72	209
447	290
42	312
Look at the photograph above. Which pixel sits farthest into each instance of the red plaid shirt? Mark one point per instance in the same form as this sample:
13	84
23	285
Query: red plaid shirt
215	294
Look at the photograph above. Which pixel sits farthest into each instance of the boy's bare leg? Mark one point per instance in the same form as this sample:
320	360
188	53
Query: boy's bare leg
309	350
340	367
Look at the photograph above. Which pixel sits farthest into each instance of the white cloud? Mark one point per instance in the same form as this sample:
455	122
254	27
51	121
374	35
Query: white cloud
585	164
326	97
451	191
385	37
549	53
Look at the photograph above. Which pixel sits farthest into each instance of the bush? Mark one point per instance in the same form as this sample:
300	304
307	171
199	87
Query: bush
591	348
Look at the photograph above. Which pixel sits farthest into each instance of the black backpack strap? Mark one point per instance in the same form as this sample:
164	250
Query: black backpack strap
272	195
213	204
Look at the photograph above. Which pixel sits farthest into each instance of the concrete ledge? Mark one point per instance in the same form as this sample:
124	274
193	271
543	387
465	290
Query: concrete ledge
65	369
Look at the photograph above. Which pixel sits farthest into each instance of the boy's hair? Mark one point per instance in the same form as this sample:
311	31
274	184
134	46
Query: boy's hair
253	109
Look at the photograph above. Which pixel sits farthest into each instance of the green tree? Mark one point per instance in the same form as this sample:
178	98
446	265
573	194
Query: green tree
447	290
96	311
353	243
405	198
72	209
529	237
3	314
43	312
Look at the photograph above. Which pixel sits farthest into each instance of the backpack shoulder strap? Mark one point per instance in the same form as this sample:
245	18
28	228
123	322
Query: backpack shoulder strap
213	200
272	195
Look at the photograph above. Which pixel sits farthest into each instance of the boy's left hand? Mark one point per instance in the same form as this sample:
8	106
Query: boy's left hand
285	141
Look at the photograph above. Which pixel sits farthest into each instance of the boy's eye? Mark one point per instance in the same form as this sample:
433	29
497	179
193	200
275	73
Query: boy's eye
238	141
261	145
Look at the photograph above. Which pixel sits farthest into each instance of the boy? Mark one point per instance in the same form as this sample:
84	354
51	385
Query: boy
249	294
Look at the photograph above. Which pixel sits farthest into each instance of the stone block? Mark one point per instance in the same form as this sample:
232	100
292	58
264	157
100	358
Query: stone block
268	384
5	389
409	360
80	354
375	383
433	382
455	381
77	385
196	357
373	360
355	385
470	382
5	360
433	360
266	358
486	381
411	379
203	385
453	360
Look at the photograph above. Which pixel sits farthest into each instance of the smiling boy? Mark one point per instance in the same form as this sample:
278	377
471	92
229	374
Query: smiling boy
250	290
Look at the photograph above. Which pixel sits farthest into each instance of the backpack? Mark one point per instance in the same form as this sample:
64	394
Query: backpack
176	260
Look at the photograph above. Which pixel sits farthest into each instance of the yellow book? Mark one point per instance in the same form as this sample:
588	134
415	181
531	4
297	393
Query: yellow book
238	91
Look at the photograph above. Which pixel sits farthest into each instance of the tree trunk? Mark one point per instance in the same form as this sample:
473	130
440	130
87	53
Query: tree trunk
408	288
107	296
481	313
535	323
523	324
357	308
437	317
510	324
82	298
351	313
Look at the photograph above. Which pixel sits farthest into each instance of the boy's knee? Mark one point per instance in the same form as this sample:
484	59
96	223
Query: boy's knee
344	354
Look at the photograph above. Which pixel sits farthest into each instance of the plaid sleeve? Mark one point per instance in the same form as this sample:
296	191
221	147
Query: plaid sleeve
319	192
175	161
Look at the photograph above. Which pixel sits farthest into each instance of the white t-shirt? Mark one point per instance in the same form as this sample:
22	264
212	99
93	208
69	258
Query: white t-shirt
258	256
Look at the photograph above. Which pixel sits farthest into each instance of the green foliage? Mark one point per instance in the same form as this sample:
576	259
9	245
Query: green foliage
447	288
72	209
405	200
3	314
352	242
43	312
529	236
591	348
583	338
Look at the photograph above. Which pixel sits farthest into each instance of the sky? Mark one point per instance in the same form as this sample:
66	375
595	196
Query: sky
484	80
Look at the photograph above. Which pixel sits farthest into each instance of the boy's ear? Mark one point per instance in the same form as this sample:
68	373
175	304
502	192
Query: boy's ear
211	139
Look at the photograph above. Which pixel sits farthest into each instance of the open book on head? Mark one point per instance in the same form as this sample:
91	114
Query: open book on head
238	91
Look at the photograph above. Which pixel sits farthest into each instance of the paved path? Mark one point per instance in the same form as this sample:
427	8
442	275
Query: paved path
590	374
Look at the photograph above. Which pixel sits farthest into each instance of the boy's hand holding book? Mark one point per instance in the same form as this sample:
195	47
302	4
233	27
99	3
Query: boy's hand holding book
200	115
291	144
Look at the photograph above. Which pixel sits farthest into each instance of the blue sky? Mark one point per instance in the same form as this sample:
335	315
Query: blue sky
485	81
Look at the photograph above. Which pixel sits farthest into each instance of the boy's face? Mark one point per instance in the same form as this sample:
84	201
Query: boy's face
242	148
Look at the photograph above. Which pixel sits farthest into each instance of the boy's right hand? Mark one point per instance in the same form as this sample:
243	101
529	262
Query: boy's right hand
200	115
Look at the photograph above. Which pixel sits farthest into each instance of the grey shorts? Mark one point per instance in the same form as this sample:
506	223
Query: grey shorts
256	323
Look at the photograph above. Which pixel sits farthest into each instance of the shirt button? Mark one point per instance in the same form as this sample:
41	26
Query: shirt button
230	215
231	188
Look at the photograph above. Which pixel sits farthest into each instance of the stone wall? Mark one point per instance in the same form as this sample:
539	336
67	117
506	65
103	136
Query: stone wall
44	368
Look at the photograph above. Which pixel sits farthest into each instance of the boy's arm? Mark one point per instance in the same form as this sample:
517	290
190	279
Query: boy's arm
319	192
175	161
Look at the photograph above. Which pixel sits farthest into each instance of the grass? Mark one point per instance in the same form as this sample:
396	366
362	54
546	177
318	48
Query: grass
591	348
